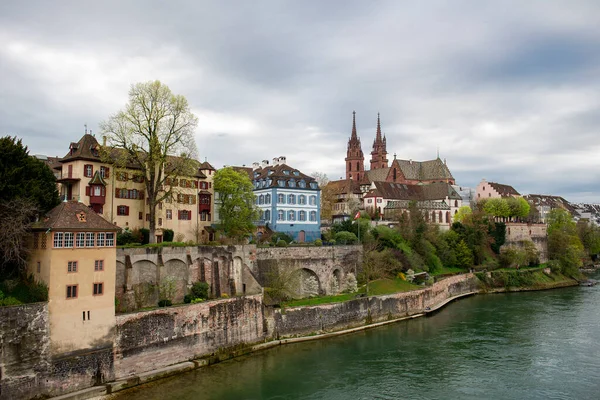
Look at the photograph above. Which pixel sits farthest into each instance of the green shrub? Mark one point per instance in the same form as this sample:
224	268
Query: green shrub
145	235
165	303
187	299
129	237
199	290
168	235
318	242
9	301
345	237
332	242
277	236
281	243
198	300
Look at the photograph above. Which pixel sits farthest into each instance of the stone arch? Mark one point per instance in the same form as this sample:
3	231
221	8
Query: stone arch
336	281
175	270
306	282
144	284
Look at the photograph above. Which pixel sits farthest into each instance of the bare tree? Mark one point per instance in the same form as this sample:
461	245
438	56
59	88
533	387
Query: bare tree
155	133
15	220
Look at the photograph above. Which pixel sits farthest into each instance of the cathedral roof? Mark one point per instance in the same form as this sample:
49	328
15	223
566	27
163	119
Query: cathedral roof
424	170
399	191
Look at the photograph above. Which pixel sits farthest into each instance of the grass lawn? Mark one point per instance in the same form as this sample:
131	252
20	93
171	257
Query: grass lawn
378	287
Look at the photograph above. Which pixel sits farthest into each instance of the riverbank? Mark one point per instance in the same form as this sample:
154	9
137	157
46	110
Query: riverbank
325	321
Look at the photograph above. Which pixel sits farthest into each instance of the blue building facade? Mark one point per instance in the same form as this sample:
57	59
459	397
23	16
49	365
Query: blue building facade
289	201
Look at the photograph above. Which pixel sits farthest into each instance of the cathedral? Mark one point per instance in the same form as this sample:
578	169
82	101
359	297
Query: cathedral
360	182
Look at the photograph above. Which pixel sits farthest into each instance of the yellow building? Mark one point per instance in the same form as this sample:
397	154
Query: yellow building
74	253
119	195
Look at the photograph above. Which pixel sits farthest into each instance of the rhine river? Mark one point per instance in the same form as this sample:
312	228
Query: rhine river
530	345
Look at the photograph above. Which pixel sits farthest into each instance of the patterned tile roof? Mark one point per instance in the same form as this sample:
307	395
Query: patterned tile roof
399	191
280	172
344	186
75	216
424	170
504	190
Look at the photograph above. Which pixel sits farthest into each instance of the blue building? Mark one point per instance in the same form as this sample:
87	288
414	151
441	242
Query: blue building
289	201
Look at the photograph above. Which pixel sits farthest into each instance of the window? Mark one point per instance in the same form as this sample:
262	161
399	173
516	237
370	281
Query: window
185	215
291	199
280	215
313	200
69	239
140	215
72	266
160	205
291	215
100	239
89	239
292	183
122	210
160	222
379	200
104	172
313	185
370	201
268	215
147	217
280	199
39	267
169	214
110	239
302	199
58	239
97	190
313	215
261	199
267	199
302	216
122	176
72	292
281	182
302	184
98	289
88	170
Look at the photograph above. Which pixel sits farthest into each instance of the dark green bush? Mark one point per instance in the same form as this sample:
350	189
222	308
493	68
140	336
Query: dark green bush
129	237
187	299
345	237
168	235
165	303
277	236
199	290
145	235
281	243
318	242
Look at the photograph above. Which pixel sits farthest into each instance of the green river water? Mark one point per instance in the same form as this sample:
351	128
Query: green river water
530	345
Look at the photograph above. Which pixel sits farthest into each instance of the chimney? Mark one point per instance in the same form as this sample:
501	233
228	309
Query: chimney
282	160
265	163
275	161
255	165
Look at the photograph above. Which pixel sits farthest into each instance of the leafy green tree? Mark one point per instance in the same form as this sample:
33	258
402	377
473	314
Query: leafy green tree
237	212
464	256
462	214
518	207
497	207
27	188
345	238
564	244
155	132
589	235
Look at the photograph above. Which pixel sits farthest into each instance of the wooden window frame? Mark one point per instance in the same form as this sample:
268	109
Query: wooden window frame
98	289
98	265
76	292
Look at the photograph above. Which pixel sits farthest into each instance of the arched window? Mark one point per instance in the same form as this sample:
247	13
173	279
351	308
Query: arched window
261	199
280	198
440	217
291	215
301	215
357	166
455	203
313	215
280	215
313	200
394	174
267	199
349	166
291	199
267	215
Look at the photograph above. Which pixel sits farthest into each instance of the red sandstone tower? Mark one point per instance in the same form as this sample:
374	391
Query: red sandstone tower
379	153
355	160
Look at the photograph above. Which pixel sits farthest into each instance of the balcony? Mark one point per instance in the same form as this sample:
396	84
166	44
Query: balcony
97	200
67	177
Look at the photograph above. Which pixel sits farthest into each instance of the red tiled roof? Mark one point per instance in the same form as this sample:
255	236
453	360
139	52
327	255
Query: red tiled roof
66	216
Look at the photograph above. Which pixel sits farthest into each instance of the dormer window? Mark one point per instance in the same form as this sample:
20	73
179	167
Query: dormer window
270	172
313	185
296	173
302	184
292	183
281	182
286	172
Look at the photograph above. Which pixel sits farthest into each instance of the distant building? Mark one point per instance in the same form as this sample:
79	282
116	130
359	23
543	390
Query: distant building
119	195
467	194
543	204
493	190
359	181
289	201
74	253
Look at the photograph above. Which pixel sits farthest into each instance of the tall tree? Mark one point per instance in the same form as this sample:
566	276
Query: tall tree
155	131
27	187
327	194
237	211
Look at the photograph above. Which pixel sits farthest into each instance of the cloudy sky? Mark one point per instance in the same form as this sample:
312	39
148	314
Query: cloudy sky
508	91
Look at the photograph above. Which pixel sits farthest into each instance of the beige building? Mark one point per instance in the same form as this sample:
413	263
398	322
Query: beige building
74	253
119	194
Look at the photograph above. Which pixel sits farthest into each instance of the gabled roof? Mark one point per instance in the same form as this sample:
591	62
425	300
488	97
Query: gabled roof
378	175
73	216
205	165
86	148
97	179
504	190
400	191
343	186
550	201
424	170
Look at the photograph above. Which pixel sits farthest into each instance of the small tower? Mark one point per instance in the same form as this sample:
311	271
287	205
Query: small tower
379	153
355	159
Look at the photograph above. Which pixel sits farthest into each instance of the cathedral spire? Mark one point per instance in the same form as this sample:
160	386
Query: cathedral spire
379	153
378	135
354	135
